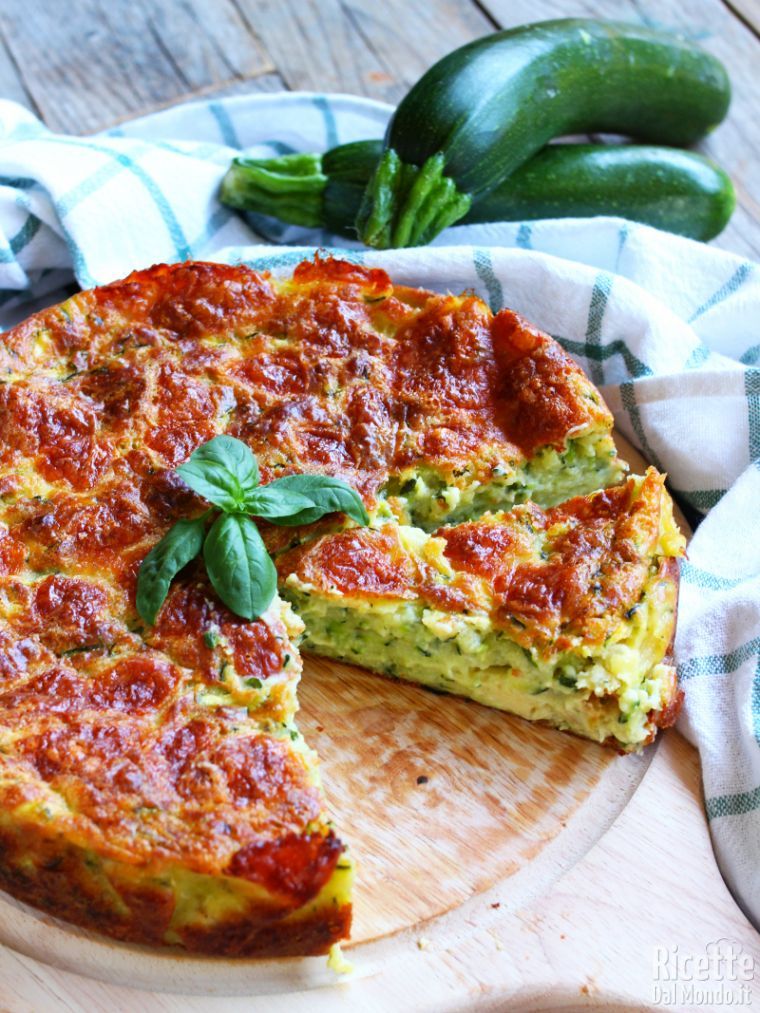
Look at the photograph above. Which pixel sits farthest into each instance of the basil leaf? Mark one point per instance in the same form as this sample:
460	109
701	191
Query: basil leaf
239	566
179	545
223	471
270	501
328	495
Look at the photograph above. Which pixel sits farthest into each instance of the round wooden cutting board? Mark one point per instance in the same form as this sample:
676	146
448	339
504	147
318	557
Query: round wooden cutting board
444	803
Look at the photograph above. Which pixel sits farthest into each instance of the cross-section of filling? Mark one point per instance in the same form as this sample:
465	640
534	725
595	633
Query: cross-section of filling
565	615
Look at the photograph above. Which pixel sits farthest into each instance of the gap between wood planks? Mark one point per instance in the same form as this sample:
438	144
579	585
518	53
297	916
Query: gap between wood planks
748	12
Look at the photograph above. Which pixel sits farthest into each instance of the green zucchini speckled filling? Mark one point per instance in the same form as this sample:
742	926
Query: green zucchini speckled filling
599	692
426	499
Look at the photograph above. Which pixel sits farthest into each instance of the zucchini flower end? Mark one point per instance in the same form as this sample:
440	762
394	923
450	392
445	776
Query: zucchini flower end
405	205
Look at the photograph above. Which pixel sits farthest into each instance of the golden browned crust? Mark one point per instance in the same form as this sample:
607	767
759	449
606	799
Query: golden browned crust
164	749
307	936
551	580
670	572
336	371
65	883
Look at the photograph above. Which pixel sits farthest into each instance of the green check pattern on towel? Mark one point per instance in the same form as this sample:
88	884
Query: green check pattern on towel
670	329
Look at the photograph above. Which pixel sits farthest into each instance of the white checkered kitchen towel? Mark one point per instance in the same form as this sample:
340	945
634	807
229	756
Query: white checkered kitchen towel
669	328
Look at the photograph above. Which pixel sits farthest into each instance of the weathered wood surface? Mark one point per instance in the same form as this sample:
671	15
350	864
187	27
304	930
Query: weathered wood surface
440	800
87	64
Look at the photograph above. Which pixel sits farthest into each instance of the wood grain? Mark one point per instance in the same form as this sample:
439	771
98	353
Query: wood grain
261	83
11	85
360	46
110	60
497	791
587	944
735	145
588	941
439	800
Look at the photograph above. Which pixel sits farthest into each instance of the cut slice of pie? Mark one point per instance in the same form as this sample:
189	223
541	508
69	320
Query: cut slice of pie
153	785
565	616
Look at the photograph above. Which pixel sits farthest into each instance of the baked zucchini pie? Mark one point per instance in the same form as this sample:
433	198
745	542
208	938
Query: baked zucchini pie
153	784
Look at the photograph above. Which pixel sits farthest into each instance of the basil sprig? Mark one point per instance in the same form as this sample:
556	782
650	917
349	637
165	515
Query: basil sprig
239	566
224	472
179	545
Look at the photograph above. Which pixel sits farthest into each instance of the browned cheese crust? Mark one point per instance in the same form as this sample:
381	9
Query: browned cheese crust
119	759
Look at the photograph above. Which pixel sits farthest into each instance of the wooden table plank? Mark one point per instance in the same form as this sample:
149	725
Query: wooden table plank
236	86
363	47
11	85
748	11
112	60
735	145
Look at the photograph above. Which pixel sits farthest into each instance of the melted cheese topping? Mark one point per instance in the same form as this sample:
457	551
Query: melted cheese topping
171	750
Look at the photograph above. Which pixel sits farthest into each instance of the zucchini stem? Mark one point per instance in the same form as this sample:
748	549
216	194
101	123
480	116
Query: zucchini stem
405	205
290	187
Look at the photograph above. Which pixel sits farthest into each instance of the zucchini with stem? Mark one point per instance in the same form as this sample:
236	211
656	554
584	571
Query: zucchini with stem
485	109
679	191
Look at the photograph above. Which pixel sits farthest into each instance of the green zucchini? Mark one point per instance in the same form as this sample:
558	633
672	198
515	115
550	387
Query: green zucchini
485	109
679	191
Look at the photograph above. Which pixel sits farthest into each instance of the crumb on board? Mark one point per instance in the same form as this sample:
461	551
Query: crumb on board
423	943
337	962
